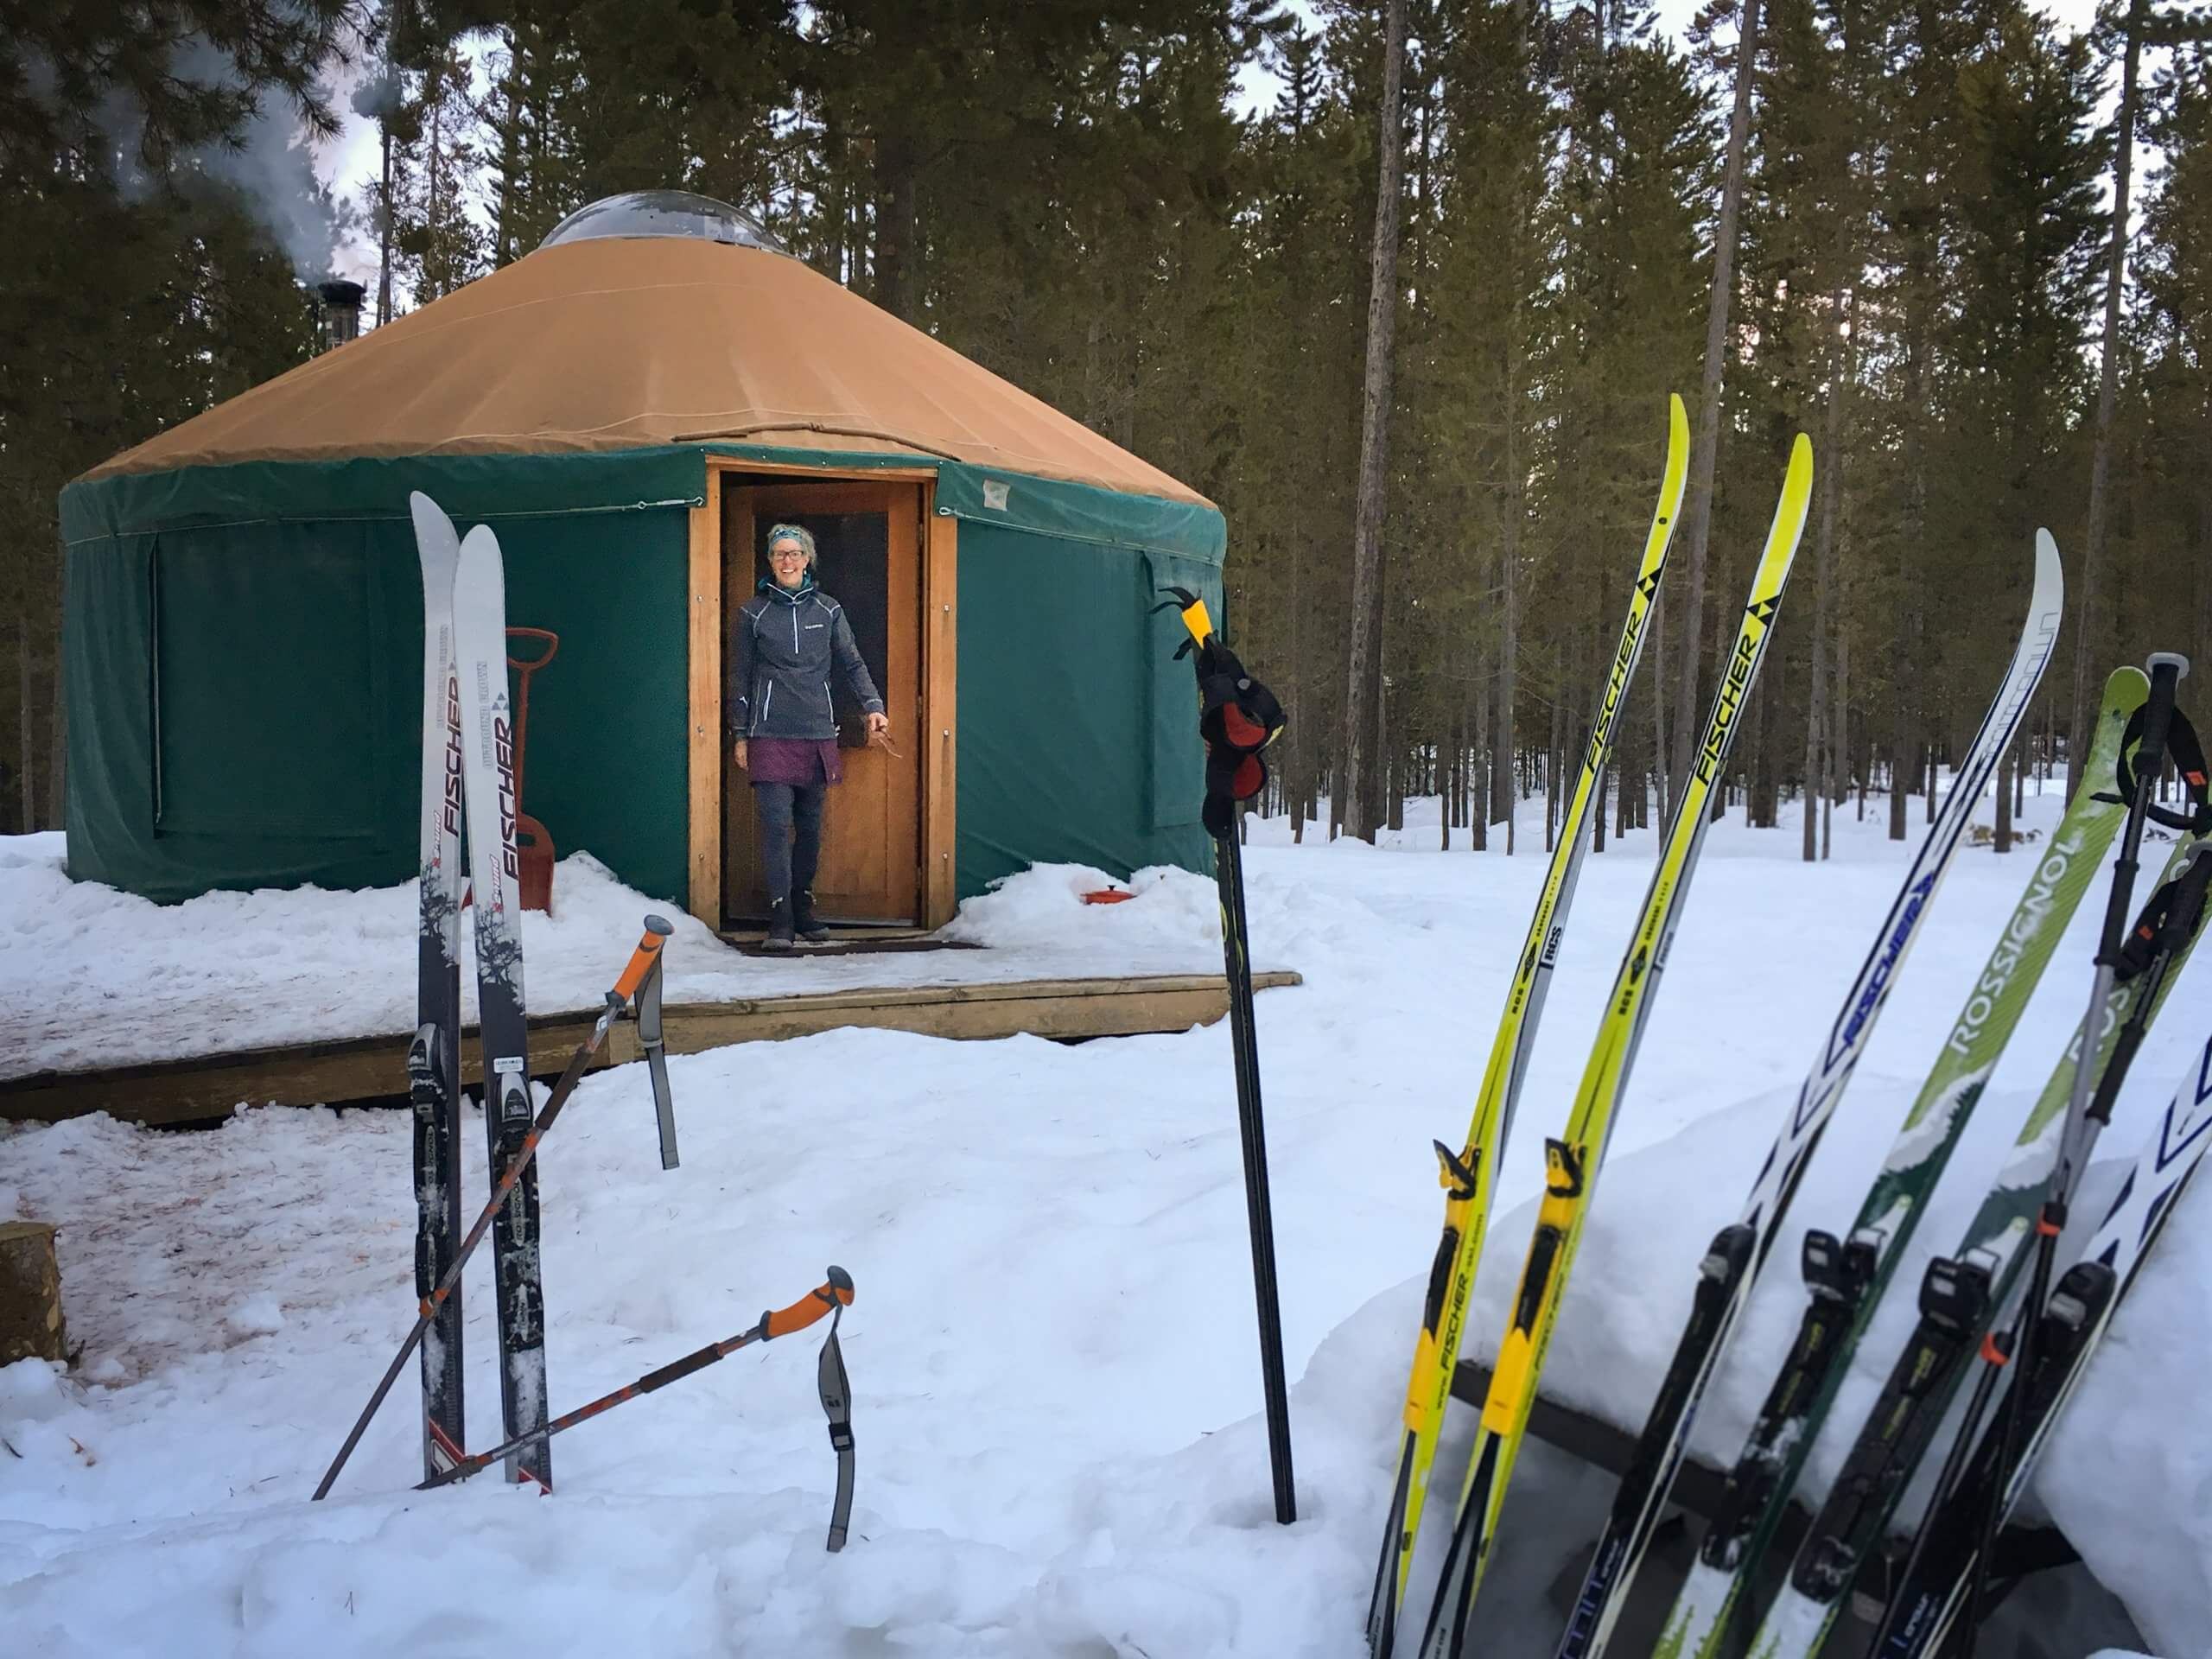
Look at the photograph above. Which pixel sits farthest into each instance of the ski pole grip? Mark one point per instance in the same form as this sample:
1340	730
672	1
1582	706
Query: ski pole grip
834	1291
2167	668
1193	611
643	958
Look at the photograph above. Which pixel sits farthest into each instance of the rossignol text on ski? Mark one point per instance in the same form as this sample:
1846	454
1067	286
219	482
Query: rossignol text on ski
1732	1262
1846	1276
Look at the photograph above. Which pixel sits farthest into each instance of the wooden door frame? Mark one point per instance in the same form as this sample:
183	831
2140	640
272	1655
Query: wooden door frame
934	723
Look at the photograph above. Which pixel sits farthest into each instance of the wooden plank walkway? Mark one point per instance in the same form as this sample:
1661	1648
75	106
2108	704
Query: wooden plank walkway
370	1068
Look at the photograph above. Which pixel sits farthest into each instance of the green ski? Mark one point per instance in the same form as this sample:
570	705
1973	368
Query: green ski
1846	1278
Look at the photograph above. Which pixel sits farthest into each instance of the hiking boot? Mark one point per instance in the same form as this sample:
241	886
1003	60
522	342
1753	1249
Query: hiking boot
779	925
806	923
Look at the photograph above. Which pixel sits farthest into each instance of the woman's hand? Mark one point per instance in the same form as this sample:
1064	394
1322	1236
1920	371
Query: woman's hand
738	753
878	726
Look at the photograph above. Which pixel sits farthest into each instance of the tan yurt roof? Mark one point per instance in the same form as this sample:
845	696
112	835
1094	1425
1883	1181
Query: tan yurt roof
622	342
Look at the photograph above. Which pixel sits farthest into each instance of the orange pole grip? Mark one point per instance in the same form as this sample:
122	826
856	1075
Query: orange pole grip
642	959
834	1291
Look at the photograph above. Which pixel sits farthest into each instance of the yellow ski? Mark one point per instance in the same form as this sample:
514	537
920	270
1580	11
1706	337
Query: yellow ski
1571	1163
1466	1174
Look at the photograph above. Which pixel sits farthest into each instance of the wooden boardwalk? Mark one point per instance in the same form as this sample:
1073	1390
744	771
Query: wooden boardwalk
375	1068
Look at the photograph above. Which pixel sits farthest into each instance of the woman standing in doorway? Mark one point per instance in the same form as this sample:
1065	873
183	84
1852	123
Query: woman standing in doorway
789	638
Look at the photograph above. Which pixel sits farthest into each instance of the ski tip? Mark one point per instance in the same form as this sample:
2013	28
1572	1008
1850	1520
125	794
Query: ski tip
2051	574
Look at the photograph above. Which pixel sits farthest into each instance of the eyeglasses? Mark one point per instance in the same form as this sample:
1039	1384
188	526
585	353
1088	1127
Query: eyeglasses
786	552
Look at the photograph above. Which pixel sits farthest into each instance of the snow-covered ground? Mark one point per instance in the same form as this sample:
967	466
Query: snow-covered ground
1052	1350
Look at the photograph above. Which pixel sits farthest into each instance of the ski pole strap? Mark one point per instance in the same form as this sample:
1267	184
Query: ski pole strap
837	1406
649	1039
1238	715
2169	920
2188	753
2157	731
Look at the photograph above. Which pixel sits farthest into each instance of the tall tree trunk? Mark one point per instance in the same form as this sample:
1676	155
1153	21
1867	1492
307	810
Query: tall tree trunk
385	212
1816	747
1363	679
28	747
57	710
1703	455
1503	801
896	221
507	235
2093	539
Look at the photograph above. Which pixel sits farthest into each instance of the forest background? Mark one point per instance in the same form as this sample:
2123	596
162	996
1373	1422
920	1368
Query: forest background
1425	378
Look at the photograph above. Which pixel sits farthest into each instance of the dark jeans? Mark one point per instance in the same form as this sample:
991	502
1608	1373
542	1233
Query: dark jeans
789	861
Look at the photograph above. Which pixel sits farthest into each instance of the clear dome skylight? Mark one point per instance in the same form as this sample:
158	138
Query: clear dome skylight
663	212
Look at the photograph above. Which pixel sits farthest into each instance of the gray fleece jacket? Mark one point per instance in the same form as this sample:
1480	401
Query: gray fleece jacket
783	649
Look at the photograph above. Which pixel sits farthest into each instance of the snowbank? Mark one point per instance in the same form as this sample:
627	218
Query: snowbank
1051	1349
97	977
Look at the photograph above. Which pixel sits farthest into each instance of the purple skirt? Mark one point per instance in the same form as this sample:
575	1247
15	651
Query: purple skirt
797	760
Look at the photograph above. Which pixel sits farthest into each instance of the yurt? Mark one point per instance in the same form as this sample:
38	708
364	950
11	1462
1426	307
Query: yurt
629	408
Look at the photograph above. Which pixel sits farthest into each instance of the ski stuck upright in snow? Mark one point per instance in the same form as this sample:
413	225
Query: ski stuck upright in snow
1961	1299
644	959
434	1055
1848	1276
1468	1175
1732	1262
1572	1162
480	606
1933	1594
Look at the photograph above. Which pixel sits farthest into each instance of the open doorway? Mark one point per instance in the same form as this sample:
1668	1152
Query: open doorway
869	537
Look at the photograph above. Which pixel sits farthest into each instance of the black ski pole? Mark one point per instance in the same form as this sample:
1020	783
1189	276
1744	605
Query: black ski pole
1229	877
642	961
1238	718
2085	1117
831	1297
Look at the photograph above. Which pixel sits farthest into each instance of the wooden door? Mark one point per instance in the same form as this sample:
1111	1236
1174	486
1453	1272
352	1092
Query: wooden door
869	537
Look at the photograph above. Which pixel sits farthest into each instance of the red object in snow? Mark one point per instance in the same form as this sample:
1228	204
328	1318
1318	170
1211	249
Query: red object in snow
1107	896
533	846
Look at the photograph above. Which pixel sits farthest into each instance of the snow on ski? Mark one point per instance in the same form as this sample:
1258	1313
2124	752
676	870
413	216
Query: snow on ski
488	753
1846	1278
1572	1162
1933	1595
434	1055
1469	1174
1960	1300
1732	1262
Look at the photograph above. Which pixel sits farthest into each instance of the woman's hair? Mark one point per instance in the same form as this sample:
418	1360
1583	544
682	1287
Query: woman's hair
792	533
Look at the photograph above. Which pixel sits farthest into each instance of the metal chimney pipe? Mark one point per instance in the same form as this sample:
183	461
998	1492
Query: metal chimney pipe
338	318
